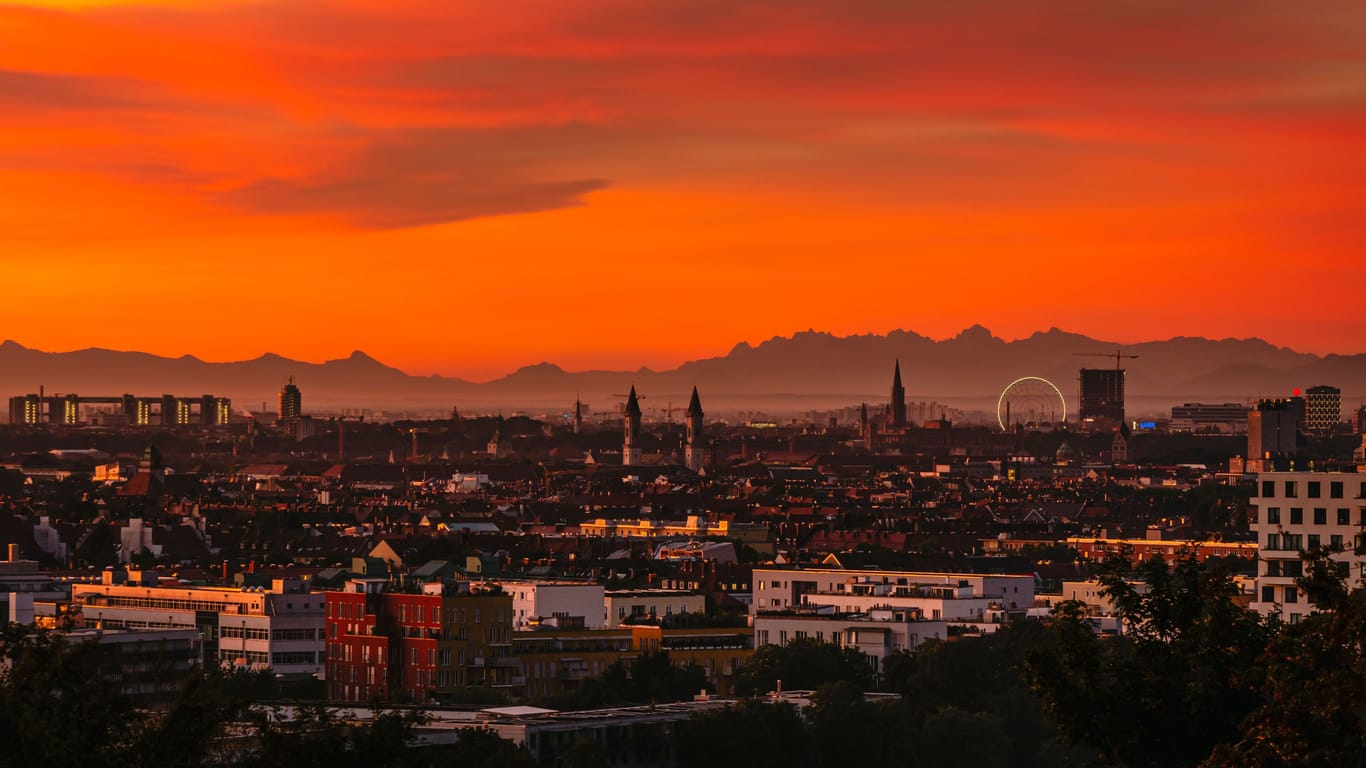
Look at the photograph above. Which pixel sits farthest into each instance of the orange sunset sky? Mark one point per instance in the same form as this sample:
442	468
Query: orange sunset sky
464	188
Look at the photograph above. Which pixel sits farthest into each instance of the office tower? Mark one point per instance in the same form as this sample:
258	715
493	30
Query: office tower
1102	395
1323	409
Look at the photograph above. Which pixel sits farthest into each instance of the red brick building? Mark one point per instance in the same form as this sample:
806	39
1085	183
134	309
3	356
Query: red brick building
416	646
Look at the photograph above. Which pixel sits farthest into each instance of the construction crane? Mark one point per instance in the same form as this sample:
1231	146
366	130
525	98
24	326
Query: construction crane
1117	355
624	396
669	412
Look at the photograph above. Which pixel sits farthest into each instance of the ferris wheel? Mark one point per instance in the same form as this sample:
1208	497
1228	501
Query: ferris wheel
1032	401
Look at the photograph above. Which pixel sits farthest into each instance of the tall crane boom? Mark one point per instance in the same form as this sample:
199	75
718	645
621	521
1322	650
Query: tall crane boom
1117	355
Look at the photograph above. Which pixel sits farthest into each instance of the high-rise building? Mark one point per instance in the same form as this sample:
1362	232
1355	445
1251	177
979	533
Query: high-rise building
1272	426
1323	409
291	402
25	409
1102	395
1297	512
694	451
630	448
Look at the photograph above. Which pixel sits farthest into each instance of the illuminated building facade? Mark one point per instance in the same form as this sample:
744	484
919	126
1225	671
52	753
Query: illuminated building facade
1323	409
414	647
291	404
279	628
120	410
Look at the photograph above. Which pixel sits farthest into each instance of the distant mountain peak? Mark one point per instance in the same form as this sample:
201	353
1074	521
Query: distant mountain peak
976	333
541	367
741	347
12	345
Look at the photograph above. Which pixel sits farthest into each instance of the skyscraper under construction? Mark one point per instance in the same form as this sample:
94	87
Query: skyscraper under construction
1102	395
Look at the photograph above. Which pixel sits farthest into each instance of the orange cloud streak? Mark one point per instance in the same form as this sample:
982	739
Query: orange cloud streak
468	187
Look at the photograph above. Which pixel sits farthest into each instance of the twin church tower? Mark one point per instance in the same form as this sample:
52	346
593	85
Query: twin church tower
694	452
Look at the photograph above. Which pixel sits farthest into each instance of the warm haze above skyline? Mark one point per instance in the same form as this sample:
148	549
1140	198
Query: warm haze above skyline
465	188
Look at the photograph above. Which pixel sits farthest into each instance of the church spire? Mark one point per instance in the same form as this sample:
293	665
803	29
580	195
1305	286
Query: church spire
898	407
693	455
630	449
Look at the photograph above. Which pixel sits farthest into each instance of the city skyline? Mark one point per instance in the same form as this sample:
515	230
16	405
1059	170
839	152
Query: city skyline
463	189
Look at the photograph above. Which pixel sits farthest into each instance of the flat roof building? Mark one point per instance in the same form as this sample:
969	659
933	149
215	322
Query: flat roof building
278	628
1297	512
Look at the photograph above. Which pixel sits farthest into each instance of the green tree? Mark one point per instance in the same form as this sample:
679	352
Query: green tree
1179	680
984	676
1313	710
803	664
951	736
846	729
650	677
484	748
745	735
54	709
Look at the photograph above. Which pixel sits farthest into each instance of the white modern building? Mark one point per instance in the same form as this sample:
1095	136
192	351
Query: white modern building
279	628
878	633
564	604
21	586
1296	512
628	605
949	596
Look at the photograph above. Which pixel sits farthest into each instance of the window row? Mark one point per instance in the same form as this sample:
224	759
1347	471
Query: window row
1296	542
1319	516
1313	489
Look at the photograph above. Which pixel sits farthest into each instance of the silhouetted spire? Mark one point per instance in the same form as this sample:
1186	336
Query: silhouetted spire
632	404
898	405
695	404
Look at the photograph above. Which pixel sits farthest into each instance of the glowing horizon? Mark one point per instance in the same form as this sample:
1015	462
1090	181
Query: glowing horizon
467	189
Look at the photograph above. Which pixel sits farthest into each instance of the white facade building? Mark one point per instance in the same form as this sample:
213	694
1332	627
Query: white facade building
660	604
949	596
21	585
1296	512
566	604
877	633
280	628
